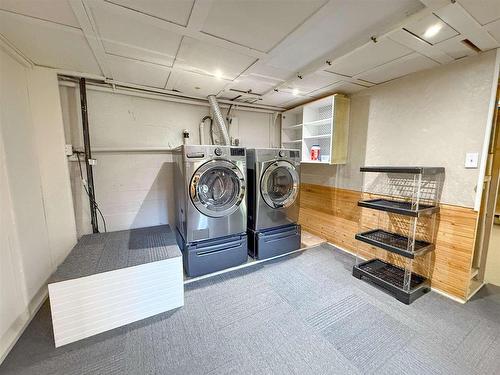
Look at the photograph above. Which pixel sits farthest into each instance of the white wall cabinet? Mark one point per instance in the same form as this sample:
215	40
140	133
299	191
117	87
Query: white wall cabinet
323	123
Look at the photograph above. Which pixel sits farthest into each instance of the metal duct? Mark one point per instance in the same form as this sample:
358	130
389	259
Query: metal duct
219	119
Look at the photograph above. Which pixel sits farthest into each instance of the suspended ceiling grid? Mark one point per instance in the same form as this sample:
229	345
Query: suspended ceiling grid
276	52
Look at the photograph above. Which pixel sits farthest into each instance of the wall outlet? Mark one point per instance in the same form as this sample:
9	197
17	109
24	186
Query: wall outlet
471	160
68	149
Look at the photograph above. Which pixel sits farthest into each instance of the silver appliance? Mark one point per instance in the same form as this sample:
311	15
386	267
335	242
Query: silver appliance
211	211
273	201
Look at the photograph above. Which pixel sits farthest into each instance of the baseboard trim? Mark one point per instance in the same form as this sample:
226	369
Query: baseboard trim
444	294
475	291
438	291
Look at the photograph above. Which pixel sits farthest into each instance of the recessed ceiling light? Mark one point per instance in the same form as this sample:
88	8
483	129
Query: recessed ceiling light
218	74
295	92
432	30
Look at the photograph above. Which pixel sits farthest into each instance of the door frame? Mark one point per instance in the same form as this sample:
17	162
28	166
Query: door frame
490	188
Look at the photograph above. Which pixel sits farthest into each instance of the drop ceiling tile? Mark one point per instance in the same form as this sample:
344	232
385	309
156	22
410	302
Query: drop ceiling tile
465	24
49	44
455	48
136	53
269	72
138	72
338	24
195	84
255	84
494	29
271	20
58	11
484	11
207	59
398	68
312	82
341	87
413	42
277	98
368	56
420	27
134	37
176	11
296	102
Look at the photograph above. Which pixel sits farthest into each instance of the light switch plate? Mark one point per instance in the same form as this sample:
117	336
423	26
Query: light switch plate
471	160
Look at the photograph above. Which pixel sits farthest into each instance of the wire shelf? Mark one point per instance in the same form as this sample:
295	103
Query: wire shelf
394	242
398	207
389	273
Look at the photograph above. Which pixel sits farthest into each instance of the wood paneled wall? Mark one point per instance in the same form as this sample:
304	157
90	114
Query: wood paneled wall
333	214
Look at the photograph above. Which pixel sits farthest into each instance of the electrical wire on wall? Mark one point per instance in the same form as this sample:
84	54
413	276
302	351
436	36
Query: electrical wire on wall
84	183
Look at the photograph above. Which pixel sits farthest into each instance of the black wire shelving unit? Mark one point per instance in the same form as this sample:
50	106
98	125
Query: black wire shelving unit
410	192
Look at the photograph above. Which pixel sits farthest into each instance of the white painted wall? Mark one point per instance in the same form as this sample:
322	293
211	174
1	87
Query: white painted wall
49	139
134	189
428	118
36	216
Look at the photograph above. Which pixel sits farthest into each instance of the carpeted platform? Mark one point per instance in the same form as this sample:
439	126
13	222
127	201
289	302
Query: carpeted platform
301	314
102	252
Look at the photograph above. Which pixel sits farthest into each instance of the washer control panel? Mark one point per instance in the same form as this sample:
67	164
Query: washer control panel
237	151
293	154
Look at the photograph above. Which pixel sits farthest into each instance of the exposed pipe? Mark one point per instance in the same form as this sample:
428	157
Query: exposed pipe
202	129
219	119
88	156
161	94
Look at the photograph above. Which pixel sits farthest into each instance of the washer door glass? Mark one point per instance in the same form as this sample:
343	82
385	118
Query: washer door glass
279	185
217	188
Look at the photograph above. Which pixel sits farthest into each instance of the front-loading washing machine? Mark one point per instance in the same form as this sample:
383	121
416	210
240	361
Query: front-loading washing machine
211	211
273	177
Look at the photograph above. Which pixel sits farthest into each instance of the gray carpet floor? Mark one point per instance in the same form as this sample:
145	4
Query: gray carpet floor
301	314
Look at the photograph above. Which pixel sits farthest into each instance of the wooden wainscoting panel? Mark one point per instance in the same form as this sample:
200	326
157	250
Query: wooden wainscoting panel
334	214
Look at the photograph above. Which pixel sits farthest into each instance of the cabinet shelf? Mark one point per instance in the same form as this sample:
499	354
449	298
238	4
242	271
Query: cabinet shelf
325	121
391	278
315	162
394	243
398	207
320	136
292	127
293	141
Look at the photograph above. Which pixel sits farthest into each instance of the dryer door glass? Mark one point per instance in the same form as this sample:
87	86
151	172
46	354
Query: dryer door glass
279	185
217	188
